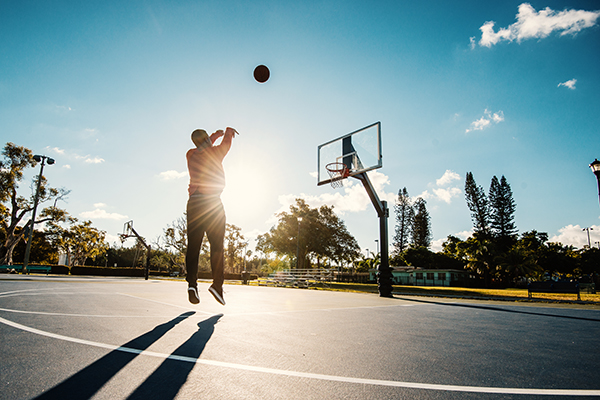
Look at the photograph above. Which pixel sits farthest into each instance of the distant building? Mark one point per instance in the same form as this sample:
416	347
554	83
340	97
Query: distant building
413	276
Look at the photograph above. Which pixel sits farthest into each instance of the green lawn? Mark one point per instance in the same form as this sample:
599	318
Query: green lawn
455	292
497	294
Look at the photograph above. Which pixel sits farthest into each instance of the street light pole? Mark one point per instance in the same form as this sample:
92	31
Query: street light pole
298	244
595	166
588	233
43	159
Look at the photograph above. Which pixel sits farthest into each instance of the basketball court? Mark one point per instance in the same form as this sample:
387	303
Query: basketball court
114	338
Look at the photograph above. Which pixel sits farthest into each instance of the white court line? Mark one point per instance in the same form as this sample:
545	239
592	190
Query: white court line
318	309
21	292
84	315
17	292
308	375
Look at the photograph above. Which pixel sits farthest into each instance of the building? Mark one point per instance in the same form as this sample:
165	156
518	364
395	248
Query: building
414	276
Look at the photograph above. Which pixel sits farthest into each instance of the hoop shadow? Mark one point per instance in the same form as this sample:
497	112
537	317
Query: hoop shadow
505	310
85	383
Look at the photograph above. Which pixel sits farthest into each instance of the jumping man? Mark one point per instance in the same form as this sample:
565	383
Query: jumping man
205	212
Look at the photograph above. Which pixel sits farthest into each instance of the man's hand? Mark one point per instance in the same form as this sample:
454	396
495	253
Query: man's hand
231	131
217	135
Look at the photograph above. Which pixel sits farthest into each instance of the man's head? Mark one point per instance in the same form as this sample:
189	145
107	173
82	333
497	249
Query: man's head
200	139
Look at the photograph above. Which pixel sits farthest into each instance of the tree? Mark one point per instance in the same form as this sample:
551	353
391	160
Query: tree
418	256
450	246
175	242
79	241
339	245
478	205
480	256
367	263
87	242
14	207
404	220
502	209
421	228
533	243
234	247
590	261
42	251
323	236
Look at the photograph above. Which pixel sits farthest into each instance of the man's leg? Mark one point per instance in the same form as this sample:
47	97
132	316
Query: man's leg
216	236
195	234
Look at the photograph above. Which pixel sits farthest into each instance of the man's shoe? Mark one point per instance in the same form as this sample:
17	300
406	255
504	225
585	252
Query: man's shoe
217	294
193	295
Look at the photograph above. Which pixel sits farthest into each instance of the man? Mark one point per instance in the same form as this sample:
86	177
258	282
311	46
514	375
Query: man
205	212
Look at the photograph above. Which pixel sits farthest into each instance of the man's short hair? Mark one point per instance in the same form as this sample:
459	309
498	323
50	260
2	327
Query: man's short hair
200	138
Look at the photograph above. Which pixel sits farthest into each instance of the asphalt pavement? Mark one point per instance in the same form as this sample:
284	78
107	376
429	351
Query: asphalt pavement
126	338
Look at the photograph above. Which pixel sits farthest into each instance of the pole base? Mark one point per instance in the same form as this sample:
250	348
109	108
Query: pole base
384	282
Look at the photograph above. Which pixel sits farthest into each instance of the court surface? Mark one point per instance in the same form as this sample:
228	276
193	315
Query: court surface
115	338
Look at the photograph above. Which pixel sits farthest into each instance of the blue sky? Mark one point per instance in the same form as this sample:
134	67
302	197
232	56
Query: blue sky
112	91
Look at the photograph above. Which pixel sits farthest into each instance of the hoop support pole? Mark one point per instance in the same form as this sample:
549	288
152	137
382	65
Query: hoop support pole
384	272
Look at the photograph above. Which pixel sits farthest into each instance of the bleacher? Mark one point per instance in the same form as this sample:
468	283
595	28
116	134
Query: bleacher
300	278
30	268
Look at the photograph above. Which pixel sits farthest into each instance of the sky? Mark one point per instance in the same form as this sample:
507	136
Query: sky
112	91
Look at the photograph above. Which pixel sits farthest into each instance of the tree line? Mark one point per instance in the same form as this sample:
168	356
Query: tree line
323	238
495	253
303	237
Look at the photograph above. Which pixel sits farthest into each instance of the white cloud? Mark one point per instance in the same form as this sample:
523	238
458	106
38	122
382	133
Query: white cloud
99	205
568	84
440	193
55	150
95	160
66	166
448	177
89	160
252	235
425	196
486	121
533	24
464	235
172	174
436	245
63	108
102	214
446	195
112	239
574	235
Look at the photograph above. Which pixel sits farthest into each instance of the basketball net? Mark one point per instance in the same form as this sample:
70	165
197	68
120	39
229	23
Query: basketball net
337	172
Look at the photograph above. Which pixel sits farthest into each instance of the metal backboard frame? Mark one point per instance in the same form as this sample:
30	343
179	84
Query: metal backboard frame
359	150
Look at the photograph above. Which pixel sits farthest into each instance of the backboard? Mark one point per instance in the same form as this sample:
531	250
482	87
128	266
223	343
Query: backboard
360	151
128	229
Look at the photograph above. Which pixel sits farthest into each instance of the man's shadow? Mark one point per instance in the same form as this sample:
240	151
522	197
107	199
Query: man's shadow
166	381
86	383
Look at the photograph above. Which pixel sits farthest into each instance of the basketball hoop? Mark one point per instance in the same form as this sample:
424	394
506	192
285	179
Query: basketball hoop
337	172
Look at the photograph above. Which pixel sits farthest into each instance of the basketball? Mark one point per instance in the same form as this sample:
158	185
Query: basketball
261	73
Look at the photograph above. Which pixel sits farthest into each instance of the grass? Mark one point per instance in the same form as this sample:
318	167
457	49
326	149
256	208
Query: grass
511	294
